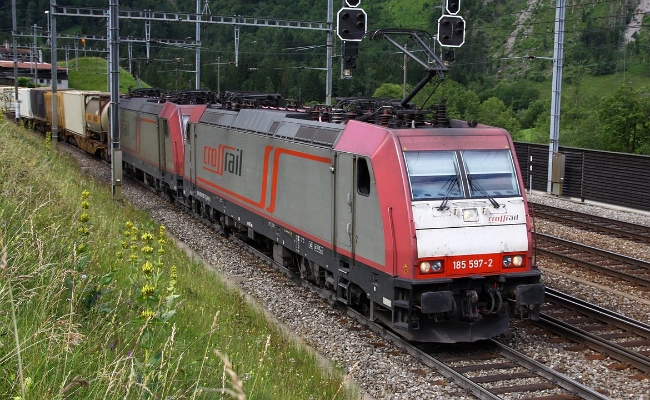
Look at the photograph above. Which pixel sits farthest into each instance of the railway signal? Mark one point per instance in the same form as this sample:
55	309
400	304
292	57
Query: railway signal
351	24
350	50
452	6
451	31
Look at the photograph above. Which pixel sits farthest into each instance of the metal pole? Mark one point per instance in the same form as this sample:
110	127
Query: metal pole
197	84
15	44
219	78
330	52
557	89
47	17
76	52
237	45
55	78
34	60
147	33
116	152
404	76
530	175
108	49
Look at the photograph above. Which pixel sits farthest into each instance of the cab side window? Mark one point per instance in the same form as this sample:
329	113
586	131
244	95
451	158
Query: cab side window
363	177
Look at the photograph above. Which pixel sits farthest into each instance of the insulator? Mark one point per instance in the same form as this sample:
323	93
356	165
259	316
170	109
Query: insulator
325	114
441	115
338	115
385	116
314	112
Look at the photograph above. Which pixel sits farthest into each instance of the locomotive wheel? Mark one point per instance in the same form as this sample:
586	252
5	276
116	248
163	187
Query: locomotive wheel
364	307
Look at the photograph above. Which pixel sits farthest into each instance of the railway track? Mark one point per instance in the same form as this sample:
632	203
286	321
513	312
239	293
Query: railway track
604	331
593	223
490	370
616	335
615	265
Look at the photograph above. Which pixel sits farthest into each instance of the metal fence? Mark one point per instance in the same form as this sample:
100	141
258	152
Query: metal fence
614	178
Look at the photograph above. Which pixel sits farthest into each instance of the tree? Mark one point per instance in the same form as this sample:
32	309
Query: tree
494	112
391	90
624	119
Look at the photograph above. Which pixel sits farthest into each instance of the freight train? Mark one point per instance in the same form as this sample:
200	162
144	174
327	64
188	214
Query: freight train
420	223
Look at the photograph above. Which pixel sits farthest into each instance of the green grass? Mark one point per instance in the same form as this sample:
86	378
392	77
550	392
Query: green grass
79	331
594	87
90	73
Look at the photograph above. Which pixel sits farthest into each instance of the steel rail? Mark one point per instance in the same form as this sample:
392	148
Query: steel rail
614	350
593	222
642	277
552	375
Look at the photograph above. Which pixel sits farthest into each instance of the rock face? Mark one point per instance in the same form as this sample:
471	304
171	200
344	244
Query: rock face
522	26
635	23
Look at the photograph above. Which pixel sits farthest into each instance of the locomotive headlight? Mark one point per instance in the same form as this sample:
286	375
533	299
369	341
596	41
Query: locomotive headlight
430	267
513	261
425	267
470	215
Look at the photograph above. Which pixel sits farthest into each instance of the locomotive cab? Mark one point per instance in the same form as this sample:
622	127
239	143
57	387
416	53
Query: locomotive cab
471	226
456	232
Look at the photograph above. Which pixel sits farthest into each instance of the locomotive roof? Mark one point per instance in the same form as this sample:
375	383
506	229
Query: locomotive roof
141	104
278	123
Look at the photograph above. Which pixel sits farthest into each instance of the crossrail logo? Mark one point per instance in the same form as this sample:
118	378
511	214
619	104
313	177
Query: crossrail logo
223	159
503	218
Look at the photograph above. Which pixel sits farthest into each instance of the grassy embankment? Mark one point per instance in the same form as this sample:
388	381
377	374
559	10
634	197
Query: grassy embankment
91	308
91	73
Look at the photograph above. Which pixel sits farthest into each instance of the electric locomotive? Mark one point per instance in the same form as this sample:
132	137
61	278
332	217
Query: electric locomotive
422	226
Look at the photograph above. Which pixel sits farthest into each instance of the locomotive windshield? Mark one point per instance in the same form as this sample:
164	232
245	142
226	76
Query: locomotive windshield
443	175
433	175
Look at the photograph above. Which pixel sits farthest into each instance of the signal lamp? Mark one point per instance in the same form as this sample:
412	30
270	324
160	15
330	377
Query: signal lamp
451	31
351	24
452	6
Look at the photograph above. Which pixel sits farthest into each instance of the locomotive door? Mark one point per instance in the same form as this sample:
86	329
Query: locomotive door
163	135
344	202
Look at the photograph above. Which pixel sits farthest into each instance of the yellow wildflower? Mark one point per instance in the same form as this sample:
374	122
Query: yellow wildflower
147	290
147	268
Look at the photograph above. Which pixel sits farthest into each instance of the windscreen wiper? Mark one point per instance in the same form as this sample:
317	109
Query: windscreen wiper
453	181
475	184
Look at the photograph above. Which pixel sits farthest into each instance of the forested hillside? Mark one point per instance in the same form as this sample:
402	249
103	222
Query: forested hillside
501	75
